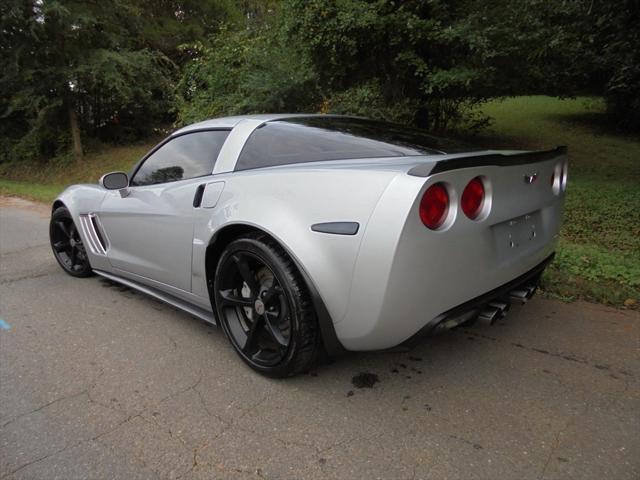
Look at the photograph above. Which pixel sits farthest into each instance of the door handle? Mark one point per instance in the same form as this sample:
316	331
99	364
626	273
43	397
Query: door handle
207	195
197	198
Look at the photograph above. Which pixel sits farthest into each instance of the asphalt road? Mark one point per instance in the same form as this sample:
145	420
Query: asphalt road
100	382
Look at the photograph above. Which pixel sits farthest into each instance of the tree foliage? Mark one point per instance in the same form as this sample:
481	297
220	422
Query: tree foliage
115	69
412	62
424	62
96	68
617	39
245	71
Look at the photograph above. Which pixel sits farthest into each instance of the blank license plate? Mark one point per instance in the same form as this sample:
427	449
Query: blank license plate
517	235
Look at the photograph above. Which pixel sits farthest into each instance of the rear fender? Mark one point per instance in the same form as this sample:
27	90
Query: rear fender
286	206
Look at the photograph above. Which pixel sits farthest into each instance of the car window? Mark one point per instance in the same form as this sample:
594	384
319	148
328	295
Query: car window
321	138
187	156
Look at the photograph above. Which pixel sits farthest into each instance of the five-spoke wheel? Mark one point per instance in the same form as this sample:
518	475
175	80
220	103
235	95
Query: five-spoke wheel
263	307
67	244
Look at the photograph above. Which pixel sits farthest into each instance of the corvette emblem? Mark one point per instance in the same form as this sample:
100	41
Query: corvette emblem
530	178
259	306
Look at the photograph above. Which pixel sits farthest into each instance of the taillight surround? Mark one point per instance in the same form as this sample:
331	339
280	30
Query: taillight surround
432	215
559	178
565	175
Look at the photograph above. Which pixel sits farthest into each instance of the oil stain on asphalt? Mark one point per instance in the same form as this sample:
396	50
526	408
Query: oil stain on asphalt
365	380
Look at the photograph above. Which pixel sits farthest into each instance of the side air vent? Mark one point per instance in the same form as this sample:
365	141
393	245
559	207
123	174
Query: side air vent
96	239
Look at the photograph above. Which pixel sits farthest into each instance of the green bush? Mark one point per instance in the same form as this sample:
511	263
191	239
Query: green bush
246	71
622	95
408	63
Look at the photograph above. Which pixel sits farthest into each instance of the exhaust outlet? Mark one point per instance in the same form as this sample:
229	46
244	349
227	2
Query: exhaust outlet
466	319
489	315
519	296
502	307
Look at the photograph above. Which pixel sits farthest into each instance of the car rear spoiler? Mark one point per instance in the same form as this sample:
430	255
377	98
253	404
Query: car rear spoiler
497	159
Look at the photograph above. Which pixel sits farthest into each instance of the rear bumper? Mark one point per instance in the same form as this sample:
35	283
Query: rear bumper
408	315
469	310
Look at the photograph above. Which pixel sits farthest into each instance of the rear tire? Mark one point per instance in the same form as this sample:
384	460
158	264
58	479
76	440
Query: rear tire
264	308
67	245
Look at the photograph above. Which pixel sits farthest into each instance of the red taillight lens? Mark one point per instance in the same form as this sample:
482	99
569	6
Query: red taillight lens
472	198
434	206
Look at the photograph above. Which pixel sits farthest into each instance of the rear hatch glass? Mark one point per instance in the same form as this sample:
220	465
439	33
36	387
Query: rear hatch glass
323	138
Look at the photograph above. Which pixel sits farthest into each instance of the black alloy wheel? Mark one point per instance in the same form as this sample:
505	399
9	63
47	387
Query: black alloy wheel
67	244
264	308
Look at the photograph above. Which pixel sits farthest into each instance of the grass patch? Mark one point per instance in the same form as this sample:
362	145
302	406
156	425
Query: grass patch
32	191
598	257
43	182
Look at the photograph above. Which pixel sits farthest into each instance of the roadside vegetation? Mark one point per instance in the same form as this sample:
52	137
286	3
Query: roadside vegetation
598	257
44	181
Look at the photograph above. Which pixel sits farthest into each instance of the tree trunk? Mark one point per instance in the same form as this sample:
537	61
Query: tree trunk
75	133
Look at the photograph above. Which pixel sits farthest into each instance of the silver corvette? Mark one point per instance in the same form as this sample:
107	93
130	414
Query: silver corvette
300	234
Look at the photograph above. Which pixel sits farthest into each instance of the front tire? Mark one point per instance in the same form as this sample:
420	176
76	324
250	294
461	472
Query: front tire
67	245
264	308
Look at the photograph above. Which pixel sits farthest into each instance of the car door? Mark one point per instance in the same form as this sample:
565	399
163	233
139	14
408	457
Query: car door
150	228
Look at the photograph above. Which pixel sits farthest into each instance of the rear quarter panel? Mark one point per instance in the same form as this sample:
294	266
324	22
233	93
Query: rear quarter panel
285	203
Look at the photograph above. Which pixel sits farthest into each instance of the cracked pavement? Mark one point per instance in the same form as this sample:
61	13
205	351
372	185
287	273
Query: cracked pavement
98	381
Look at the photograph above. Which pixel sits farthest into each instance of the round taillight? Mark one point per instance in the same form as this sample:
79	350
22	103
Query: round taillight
434	206
472	198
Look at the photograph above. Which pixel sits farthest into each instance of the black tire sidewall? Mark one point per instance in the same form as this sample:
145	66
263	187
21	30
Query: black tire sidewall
274	262
59	214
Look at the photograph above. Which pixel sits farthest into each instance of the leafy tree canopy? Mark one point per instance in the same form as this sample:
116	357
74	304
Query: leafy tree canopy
105	69
112	70
424	62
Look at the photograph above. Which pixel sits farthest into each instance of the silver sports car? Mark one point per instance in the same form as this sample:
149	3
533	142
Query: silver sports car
308	233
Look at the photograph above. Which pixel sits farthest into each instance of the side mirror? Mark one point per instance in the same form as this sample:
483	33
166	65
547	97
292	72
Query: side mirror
114	181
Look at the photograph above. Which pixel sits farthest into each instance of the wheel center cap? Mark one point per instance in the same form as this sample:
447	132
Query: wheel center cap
259	307
72	242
